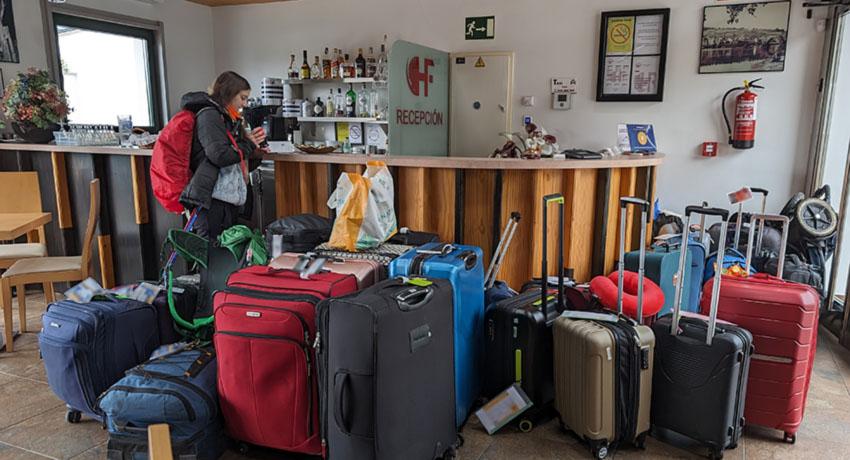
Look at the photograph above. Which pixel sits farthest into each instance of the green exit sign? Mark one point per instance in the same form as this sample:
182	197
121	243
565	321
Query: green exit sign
481	28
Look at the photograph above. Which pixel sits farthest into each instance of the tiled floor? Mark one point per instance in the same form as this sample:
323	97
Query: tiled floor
32	422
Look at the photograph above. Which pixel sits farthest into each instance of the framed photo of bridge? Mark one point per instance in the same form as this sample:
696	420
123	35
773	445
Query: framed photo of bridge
746	37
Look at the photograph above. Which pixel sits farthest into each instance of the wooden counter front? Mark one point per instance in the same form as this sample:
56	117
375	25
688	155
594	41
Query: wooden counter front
468	200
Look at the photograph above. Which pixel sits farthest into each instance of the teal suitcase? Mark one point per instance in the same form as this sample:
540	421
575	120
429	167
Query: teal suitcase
662	266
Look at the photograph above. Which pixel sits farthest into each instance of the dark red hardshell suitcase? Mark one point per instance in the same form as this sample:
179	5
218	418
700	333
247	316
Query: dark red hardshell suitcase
783	318
265	329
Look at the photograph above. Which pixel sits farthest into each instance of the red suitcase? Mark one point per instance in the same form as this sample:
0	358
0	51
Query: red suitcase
783	318
368	272
265	329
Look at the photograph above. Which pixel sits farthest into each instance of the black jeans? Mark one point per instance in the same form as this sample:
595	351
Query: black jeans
218	218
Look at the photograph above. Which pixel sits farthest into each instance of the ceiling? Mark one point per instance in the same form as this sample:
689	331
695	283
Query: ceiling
232	2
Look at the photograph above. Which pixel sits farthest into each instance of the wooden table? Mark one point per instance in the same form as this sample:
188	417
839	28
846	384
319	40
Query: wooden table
15	225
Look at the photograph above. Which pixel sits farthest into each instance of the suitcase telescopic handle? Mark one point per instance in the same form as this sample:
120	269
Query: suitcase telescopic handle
783	245
625	202
558	199
739	222
715	288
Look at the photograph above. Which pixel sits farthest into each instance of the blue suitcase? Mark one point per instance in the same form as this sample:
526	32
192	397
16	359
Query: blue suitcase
177	386
662	266
86	347
463	266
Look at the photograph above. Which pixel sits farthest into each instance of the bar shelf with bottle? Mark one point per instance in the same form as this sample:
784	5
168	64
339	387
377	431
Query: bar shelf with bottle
369	120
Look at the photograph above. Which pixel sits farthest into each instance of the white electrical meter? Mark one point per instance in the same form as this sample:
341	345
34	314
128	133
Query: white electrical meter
562	92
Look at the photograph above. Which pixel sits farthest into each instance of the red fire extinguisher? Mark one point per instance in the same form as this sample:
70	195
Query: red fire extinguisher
746	113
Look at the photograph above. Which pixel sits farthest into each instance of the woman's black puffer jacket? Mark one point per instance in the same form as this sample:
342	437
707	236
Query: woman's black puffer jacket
211	148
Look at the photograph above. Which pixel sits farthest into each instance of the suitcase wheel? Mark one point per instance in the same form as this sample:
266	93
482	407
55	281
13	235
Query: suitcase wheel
717	454
73	416
790	438
599	449
526	425
244	448
640	442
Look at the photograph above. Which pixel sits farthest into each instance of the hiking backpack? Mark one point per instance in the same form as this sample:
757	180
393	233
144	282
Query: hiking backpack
170	163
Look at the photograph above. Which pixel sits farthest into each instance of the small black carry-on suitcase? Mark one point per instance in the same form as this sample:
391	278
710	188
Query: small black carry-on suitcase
518	336
386	372
701	368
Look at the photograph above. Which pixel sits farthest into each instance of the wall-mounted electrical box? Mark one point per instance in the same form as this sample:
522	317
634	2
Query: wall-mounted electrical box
563	89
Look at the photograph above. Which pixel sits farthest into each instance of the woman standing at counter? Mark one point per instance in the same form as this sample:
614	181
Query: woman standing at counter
223	153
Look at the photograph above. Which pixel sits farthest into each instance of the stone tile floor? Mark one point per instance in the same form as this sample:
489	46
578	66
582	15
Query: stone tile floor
32	422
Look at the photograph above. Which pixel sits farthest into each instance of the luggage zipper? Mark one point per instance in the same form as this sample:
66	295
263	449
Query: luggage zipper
321	356
305	347
252	285
186	404
304	327
180	382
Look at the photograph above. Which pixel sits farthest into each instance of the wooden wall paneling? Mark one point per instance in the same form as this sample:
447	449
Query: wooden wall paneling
645	188
600	233
580	191
460	201
545	182
613	224
306	188
107	270
287	189
628	187
134	249
140	193
9	162
518	195
42	165
439	203
478	192
320	190
116	216
155	232
80	169
412	198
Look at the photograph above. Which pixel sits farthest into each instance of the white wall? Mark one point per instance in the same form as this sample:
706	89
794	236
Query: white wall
560	38
188	39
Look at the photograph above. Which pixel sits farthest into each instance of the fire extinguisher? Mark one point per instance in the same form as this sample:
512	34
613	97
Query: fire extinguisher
746	113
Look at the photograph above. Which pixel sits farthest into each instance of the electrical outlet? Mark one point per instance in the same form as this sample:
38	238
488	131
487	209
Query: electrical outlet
527	101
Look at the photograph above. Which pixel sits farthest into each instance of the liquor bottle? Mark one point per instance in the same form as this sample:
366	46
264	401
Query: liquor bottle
335	64
383	62
330	107
363	103
305	68
316	70
343	66
292	73
339	102
319	108
306	108
360	64
350	102
326	65
371	63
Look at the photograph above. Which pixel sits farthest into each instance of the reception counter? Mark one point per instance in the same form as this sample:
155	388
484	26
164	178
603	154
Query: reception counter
469	200
465	200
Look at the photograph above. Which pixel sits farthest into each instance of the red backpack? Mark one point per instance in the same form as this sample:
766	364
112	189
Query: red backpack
170	163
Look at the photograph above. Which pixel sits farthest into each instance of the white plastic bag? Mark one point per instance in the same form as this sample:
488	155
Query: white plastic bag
365	214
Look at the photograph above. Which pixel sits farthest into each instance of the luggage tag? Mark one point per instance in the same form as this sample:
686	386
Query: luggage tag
418	282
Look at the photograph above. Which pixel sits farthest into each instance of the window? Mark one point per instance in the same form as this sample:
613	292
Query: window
108	70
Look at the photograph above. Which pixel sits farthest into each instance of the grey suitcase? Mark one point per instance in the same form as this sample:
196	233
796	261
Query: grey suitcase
386	372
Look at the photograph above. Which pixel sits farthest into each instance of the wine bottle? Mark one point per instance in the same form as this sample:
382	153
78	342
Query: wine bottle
360	64
305	68
350	102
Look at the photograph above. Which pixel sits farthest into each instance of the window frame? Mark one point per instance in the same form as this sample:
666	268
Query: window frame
102	21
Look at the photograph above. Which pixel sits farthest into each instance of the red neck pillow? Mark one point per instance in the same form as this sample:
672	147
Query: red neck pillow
605	288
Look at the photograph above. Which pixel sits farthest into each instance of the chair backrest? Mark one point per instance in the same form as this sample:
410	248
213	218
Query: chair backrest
94	213
159	442
20	192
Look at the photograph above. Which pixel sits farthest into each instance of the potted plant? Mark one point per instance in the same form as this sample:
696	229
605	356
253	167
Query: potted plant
34	105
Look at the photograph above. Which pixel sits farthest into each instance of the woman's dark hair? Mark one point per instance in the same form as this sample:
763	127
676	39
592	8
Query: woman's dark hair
227	86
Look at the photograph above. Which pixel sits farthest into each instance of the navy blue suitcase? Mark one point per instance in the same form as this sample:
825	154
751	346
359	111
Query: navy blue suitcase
86	347
177	386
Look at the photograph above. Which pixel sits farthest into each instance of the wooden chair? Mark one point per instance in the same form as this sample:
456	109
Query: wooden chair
23	186
159	442
47	270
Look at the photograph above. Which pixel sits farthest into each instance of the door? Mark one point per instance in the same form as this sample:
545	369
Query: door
836	163
480	102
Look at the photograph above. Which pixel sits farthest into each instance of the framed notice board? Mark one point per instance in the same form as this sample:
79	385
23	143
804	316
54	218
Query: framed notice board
632	55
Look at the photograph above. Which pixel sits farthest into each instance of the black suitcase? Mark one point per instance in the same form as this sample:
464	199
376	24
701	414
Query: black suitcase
700	376
386	371
409	237
518	336
300	233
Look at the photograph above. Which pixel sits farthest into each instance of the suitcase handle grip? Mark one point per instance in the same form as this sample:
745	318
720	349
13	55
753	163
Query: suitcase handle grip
341	385
719	212
634	201
414	298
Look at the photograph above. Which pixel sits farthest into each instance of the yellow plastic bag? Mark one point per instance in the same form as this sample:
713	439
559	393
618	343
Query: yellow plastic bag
365	213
